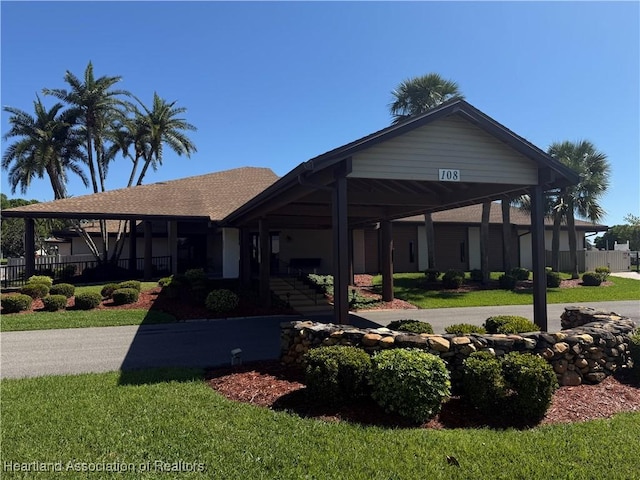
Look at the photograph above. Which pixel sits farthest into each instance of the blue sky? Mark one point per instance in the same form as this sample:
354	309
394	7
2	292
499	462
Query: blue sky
274	84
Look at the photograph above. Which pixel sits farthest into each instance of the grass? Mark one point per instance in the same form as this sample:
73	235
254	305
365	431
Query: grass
411	287
144	286
79	319
171	416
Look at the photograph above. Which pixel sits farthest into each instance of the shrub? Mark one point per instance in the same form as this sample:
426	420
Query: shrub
432	275
15	303
337	373
163	282
66	273
88	300
476	275
507	282
483	381
553	279
591	279
35	290
65	289
411	382
521	274
124	296
464	329
221	301
48	281
412	326
603	272
323	282
195	275
509	324
452	279
634	353
53	303
533	380
135	284
108	289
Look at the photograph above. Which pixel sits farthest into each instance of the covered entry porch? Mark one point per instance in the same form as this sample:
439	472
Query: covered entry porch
452	156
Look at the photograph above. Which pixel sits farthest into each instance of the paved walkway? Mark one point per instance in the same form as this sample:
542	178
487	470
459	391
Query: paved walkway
209	343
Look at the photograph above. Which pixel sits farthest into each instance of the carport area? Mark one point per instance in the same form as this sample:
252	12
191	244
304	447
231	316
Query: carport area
451	156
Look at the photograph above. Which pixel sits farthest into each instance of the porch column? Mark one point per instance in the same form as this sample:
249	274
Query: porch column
352	280
340	229
265	262
133	244
245	257
386	246
148	238
29	247
538	258
172	240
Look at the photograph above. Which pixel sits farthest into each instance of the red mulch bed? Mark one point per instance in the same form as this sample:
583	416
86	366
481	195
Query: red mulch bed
272	385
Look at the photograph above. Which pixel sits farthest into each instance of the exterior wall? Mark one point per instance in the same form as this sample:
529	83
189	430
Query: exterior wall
307	244
450	143
405	248
358	251
452	247
423	249
525	244
372	254
160	247
231	253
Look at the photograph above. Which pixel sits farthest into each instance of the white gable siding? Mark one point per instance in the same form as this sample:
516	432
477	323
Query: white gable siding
449	143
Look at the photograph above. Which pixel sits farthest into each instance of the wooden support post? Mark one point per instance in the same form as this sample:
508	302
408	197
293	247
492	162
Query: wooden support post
29	247
538	257
386	245
172	240
245	257
148	252
265	262
340	250
352	280
133	247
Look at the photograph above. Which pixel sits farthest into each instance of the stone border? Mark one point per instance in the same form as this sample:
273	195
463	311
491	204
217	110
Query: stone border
595	345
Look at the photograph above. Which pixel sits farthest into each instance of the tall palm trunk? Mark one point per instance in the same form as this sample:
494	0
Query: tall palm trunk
484	242
506	235
573	241
555	241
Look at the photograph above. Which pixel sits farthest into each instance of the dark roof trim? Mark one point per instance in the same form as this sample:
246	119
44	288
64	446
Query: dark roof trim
102	216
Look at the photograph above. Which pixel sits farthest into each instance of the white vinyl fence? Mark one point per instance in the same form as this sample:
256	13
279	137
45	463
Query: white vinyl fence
588	260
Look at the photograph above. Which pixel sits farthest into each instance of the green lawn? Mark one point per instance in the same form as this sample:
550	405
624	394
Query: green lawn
144	286
95	418
78	319
411	287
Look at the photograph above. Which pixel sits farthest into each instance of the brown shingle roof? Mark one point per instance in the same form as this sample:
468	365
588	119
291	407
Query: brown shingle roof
473	214
214	195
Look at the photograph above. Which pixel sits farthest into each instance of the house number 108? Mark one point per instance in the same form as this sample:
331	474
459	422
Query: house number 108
448	175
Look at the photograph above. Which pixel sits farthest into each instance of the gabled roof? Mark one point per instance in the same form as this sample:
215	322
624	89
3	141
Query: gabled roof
473	215
208	197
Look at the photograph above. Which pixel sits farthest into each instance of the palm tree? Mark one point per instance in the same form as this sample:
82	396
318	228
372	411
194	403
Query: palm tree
95	103
160	126
582	199
47	144
415	96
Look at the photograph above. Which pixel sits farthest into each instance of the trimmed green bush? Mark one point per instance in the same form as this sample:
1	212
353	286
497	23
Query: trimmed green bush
507	282
48	281
432	275
35	290
533	380
509	324
163	282
452	279
135	284
476	275
337	373
465	329
591	279
87	300
634	353
15	303
65	289
483	382
410	382
108	289
222	301
53	303
411	326
195	275
553	279
124	296
603	272
521	274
